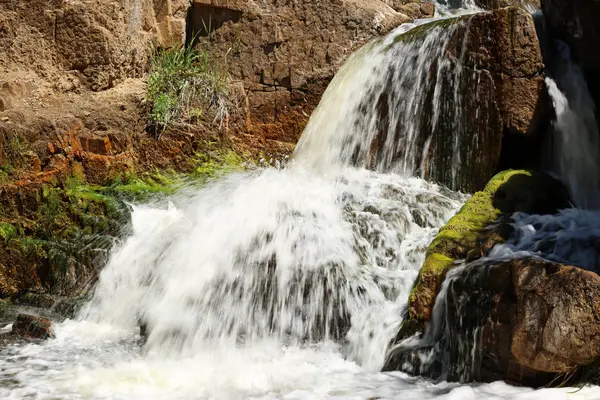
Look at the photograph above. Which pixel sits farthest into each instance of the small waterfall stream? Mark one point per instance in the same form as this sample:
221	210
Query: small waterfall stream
576	141
282	283
400	88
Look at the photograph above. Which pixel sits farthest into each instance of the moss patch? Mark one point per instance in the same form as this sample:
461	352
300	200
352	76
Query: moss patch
63	237
507	192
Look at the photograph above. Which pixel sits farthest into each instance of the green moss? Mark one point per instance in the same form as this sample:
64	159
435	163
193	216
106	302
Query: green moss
454	241
7	231
216	163
72	223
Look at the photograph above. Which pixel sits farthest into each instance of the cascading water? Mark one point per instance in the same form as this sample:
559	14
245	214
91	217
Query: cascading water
576	141
399	89
450	346
274	284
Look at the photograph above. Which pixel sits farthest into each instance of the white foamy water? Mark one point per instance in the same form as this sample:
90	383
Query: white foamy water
380	126
358	229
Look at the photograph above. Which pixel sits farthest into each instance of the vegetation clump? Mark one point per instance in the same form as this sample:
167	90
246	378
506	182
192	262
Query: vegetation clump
65	237
184	86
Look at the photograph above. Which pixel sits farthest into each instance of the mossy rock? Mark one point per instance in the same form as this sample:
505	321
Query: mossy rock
467	232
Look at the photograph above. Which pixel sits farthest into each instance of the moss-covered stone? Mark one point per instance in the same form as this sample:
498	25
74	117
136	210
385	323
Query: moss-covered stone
68	226
507	192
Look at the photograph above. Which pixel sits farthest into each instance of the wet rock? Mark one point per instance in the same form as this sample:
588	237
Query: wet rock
468	235
481	105
541	324
494	4
32	327
503	91
527	321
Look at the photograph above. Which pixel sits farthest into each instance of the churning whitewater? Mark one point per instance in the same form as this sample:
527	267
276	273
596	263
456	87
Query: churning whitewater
273	284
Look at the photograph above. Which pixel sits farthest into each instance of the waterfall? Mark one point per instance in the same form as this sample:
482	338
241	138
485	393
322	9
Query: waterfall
312	258
394	82
280	283
576	141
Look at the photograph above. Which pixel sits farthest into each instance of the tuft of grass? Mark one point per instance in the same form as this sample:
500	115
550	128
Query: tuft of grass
184	86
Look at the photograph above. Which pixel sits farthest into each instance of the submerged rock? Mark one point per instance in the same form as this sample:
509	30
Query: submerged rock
30	326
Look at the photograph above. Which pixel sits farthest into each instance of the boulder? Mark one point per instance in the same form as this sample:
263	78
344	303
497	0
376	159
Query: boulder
466	235
29	326
538	321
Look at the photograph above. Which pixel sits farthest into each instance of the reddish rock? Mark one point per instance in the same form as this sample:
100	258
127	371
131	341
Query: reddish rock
286	53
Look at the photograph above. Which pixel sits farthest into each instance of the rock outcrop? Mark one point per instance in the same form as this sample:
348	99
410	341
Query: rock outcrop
285	53
467	234
526	320
502	107
479	107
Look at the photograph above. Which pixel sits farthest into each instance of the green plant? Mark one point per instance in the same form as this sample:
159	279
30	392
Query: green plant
184	84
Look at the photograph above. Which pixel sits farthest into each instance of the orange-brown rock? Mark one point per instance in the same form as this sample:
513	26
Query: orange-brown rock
544	321
285	53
